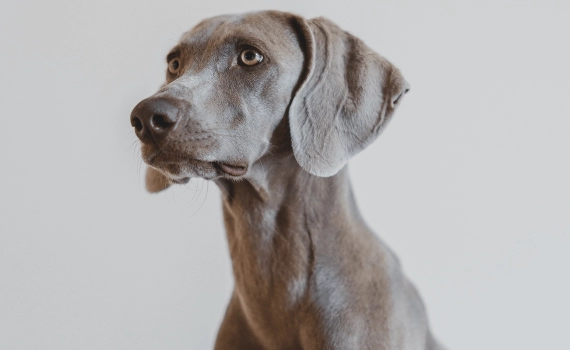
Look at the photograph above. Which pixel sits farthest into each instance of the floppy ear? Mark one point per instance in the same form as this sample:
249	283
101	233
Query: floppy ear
155	181
346	96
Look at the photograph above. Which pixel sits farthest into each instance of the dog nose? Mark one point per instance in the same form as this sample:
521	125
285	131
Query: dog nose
153	118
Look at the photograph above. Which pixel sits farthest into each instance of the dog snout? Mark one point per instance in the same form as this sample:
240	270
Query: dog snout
154	118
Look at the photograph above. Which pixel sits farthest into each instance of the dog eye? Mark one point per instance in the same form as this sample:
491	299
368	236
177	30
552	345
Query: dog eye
250	57
174	65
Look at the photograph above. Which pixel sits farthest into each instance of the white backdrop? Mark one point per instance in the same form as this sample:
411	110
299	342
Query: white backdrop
469	184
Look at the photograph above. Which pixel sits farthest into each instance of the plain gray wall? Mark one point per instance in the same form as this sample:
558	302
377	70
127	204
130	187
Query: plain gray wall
469	184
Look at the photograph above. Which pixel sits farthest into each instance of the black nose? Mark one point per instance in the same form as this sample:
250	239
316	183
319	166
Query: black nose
154	118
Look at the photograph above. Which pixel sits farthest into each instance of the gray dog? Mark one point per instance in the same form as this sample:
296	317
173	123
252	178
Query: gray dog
270	106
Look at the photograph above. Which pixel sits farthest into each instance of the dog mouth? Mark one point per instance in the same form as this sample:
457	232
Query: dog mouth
232	169
180	168
180	181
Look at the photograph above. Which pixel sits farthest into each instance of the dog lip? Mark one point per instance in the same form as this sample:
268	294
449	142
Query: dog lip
181	181
149	158
168	161
232	169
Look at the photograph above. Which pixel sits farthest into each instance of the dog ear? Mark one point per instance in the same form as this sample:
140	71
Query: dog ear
346	95
155	181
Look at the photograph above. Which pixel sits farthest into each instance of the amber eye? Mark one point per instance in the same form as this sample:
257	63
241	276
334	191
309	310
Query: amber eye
250	57
174	65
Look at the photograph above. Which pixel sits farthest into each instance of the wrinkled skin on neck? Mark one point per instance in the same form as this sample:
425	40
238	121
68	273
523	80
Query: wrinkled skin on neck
309	273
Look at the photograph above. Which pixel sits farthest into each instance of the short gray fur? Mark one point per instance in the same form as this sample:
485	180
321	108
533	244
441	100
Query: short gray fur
309	273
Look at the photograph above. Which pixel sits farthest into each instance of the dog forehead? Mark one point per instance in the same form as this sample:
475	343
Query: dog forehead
270	29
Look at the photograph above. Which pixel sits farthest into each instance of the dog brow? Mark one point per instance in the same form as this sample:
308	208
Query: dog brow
175	52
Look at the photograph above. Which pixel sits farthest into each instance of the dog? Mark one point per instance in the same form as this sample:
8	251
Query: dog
271	106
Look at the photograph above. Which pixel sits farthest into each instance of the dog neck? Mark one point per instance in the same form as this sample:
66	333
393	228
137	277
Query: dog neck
282	221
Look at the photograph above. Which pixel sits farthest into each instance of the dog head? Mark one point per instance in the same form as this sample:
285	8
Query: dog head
234	81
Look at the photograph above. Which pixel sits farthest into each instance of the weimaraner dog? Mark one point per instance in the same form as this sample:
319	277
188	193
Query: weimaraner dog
270	106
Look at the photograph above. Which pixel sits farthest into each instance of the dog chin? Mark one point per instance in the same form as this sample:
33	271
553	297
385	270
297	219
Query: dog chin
173	178
177	168
181	173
